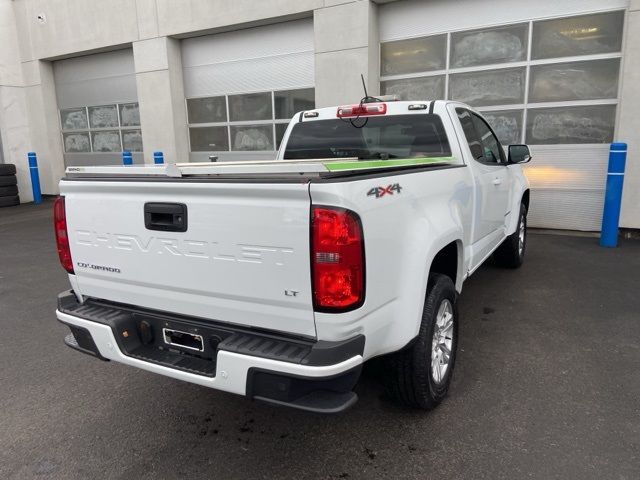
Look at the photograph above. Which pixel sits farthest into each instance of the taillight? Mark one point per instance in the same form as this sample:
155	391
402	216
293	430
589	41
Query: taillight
337	259
361	110
62	238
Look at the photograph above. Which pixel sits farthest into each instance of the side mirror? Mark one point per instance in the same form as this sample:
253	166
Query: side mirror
519	154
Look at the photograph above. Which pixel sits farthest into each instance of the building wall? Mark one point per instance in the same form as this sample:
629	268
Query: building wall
628	119
34	34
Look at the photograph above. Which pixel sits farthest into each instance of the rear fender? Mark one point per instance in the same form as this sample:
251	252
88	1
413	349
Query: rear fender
402	235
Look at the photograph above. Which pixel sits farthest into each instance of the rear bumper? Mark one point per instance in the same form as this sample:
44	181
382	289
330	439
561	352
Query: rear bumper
296	381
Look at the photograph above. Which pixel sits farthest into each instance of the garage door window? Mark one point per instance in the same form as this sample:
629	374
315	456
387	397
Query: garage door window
101	128
244	122
251	106
207	139
584	35
415	55
207	110
543	82
489	46
493	87
287	103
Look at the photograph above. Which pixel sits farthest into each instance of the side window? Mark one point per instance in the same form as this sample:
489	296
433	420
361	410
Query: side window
464	116
492	151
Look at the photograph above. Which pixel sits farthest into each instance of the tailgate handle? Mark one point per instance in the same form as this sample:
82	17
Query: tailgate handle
166	217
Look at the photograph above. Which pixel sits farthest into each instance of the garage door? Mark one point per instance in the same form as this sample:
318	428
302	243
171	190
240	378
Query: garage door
545	73
242	87
98	104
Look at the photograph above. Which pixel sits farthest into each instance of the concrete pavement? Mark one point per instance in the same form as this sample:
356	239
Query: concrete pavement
547	385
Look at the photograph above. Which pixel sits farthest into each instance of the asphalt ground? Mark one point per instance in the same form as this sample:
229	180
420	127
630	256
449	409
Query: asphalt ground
547	385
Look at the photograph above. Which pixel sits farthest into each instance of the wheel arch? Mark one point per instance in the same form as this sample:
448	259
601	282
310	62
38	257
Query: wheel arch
448	260
521	197
526	197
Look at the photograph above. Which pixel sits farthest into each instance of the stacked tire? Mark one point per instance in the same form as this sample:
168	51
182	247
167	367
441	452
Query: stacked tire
8	186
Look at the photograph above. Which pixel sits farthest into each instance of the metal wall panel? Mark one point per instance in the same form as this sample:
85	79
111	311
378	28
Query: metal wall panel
412	18
281	72
567	186
97	79
272	57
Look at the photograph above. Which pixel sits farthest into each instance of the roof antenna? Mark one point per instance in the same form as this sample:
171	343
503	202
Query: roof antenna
367	98
364	86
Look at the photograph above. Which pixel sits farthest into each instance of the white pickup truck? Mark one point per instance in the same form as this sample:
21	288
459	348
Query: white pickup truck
277	280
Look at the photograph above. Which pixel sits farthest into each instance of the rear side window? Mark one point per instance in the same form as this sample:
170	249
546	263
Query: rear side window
383	137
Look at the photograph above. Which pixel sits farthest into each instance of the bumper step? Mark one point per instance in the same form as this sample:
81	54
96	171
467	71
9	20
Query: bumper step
142	334
199	366
217	335
274	349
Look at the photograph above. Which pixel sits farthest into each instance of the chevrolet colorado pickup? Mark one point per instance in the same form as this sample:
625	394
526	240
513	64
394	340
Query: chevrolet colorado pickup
277	279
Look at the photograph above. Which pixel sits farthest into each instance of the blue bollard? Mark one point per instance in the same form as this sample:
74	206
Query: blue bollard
127	158
158	158
35	178
613	195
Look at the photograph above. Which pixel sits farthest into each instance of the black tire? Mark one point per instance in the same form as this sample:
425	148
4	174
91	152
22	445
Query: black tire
11	191
7	169
9	201
8	180
511	253
409	375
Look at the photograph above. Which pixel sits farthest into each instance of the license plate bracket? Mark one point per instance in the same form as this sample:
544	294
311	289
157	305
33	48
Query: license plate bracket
182	339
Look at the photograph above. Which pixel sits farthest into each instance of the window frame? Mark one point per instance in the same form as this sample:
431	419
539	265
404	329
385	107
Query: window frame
502	160
380	123
89	130
273	121
528	63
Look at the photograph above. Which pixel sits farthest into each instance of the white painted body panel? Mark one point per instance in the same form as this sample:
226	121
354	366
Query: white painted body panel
246	244
403	232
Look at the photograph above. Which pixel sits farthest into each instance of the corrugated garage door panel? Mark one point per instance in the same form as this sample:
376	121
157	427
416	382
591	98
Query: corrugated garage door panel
255	75
412	18
95	79
567	186
273	57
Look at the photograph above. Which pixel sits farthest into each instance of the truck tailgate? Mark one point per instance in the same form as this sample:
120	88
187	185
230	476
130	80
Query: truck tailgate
243	259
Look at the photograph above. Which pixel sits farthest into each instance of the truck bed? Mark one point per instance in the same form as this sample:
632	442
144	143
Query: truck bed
262	168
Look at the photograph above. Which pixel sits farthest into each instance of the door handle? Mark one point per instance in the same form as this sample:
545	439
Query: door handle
166	217
497	181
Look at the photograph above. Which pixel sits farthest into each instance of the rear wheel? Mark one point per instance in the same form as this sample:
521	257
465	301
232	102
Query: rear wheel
419	376
511	253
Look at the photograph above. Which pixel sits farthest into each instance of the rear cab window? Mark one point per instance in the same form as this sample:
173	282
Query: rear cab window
407	136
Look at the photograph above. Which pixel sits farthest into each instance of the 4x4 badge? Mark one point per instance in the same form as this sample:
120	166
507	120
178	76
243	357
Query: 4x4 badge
382	191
